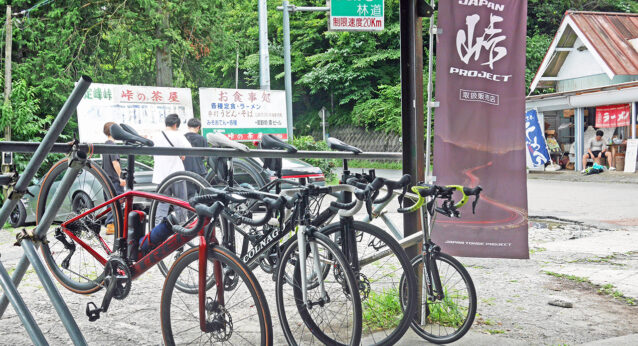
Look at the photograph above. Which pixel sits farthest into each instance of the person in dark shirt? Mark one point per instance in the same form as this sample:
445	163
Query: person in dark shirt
195	163
111	165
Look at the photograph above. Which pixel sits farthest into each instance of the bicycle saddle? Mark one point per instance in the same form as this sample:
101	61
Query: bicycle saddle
273	143
336	144
127	134
218	140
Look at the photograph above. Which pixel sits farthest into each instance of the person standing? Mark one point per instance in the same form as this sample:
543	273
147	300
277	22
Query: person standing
111	165
195	164
166	165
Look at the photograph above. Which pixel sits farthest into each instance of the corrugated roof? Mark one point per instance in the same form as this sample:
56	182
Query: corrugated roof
606	34
610	33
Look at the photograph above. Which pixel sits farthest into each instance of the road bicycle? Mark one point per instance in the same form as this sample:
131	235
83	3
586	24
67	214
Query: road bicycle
448	297
198	304
384	322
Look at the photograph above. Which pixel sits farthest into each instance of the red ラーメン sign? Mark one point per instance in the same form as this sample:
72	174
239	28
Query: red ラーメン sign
479	127
613	116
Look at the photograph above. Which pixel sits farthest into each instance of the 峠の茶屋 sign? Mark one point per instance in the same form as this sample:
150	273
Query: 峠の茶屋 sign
356	15
243	114
142	107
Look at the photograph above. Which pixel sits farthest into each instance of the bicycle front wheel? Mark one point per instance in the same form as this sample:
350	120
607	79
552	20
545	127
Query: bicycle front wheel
442	321
69	262
242	319
382	261
333	318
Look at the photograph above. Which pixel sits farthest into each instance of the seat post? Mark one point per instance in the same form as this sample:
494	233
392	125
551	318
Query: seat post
130	177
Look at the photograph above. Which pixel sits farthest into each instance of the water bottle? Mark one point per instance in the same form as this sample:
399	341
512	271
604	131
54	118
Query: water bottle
158	234
136	228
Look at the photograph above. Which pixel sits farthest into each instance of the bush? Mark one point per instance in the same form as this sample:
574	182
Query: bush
309	143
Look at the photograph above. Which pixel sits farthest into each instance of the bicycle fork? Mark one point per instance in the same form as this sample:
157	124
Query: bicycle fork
209	306
314	250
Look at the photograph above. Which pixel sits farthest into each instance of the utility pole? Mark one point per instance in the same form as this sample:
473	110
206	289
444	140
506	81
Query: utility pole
264	58
7	81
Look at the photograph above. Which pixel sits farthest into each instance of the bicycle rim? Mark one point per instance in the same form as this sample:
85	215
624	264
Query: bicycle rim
386	312
337	320
72	265
446	320
243	319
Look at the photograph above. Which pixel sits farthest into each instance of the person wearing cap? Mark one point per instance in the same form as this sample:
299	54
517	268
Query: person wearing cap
597	149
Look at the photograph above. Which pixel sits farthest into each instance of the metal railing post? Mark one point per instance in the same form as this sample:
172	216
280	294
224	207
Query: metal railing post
21	309
34	164
58	302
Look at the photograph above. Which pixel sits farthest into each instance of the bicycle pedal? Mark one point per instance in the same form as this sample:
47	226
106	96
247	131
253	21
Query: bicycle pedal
93	312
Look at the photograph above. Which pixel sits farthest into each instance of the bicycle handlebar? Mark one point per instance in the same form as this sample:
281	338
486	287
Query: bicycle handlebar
203	213
449	208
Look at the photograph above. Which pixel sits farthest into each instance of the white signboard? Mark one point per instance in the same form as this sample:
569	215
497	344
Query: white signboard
243	114
142	107
630	156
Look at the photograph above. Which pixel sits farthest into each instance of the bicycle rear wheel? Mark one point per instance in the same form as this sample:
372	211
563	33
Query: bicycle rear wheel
243	319
334	319
442	321
382	262
70	263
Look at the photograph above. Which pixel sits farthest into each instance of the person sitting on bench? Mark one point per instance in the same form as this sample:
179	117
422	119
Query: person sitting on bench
597	149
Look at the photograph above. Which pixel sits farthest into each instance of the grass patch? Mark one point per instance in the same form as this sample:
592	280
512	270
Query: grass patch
372	164
382	310
610	290
569	277
606	259
536	250
495	331
447	312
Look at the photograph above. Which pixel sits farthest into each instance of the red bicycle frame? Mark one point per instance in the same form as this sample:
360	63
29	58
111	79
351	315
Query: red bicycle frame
171	244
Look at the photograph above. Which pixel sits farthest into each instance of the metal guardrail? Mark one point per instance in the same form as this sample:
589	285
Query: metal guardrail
28	147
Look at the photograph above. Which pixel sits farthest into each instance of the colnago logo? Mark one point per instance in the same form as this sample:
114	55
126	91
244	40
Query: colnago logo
259	246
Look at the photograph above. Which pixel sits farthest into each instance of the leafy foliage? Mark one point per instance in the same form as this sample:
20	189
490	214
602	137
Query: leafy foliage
308	143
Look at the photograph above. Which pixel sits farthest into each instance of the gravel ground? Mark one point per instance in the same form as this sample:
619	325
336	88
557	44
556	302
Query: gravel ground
513	299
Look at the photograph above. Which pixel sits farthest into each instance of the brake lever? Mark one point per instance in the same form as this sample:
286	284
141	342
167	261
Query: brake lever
474	203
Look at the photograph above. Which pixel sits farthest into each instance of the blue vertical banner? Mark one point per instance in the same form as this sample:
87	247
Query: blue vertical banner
534	139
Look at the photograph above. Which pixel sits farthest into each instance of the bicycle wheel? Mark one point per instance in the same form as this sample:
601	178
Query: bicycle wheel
334	319
243	319
244	174
182	185
70	263
446	320
382	263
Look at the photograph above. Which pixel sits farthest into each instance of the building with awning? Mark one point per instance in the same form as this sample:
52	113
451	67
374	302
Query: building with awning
592	67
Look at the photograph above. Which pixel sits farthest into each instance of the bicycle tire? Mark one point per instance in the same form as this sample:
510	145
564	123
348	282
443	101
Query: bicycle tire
385	320
192	180
441	310
243	173
103	191
338	289
257	307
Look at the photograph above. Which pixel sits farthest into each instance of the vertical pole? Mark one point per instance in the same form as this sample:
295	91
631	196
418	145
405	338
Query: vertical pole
323	122
411	103
21	309
633	120
579	120
428	141
264	57
7	76
237	71
287	68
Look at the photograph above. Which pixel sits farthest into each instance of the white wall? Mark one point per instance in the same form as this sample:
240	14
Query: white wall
579	64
